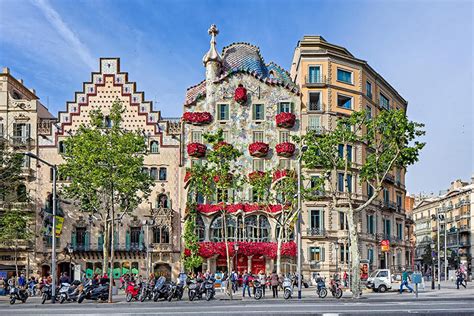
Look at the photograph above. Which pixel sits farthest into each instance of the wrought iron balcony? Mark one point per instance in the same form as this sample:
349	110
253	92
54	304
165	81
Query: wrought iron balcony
22	142
319	130
316	232
316	80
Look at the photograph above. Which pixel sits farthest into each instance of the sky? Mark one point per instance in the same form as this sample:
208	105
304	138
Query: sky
422	48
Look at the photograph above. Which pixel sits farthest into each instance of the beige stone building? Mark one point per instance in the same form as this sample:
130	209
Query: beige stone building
82	232
20	113
333	84
450	209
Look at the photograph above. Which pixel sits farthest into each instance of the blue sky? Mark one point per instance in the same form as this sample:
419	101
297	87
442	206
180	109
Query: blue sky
423	48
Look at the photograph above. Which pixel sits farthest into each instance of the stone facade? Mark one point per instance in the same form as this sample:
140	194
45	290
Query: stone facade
334	83
83	233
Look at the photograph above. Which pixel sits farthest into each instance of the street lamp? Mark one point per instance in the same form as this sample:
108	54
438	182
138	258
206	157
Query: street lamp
336	247
147	223
236	249
53	237
70	250
298	224
432	266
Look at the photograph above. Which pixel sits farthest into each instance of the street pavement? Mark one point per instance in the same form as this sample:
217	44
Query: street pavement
446	301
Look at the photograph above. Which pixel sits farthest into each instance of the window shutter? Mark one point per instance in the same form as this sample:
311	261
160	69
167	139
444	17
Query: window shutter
310	255
100	241
141	240
254	111
73	239
127	240
28	130
323	255
86	240
292	107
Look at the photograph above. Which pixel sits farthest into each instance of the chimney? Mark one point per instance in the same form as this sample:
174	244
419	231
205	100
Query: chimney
6	70
21	81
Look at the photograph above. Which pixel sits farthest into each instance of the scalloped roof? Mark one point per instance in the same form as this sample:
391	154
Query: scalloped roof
246	58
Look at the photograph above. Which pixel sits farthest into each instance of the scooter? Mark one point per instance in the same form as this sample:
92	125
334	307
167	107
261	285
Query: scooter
287	287
258	289
161	289
146	292
46	293
94	292
18	294
132	291
335	287
321	288
69	292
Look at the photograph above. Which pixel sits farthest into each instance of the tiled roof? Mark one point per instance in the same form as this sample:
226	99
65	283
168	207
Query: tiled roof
244	57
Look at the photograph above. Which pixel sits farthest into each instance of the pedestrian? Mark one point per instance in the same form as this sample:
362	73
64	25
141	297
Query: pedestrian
405	281
233	280
274	282
2	286
22	281
459	278
262	278
246	278
344	278
64	278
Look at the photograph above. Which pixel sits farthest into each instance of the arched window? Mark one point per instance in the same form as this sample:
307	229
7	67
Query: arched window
231	228
287	233
264	228
154	147
216	229
200	228
251	228
162	174
162	201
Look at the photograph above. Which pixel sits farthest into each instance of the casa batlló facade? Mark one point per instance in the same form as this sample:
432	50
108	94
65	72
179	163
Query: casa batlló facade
259	106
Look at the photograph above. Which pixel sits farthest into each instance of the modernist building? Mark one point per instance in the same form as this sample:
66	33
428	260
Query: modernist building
333	84
449	212
81	232
20	113
246	98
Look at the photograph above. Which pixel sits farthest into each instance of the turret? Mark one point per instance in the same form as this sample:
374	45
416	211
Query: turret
213	62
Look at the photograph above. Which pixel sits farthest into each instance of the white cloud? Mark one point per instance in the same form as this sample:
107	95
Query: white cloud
66	32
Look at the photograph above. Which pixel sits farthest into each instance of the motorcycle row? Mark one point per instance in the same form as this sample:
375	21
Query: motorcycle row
161	289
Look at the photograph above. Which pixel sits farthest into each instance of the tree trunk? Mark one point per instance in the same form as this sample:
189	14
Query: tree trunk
105	247
355	255
16	260
280	237
224	227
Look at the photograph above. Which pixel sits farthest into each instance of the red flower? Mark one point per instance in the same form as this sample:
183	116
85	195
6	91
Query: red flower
225	179
258	149
196	150
187	176
240	94
285	119
279	174
232	208
187	252
267	249
197	118
285	149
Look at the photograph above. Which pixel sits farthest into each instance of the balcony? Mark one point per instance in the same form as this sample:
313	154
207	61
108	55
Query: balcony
389	178
315	81
319	130
389	205
315	232
22	142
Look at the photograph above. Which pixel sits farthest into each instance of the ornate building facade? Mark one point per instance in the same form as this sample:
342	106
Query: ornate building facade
333	84
81	233
248	99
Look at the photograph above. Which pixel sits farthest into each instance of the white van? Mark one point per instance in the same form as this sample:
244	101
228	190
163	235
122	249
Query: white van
380	280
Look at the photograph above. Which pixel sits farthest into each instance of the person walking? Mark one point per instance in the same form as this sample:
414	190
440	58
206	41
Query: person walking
344	278
405	282
274	282
246	278
459	278
233	280
262	278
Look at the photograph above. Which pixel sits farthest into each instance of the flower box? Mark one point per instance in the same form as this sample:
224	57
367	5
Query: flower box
208	249
196	150
223	145
240	94
197	118
258	149
285	149
286	120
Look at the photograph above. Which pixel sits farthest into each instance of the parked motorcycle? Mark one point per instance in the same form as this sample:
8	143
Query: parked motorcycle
287	287
321	288
132	291
258	289
161	289
94	292
176	290
198	288
18	294
69	292
335	287
46	293
146	292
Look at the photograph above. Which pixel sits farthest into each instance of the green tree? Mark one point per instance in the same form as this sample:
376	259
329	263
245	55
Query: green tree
15	218
390	140
104	163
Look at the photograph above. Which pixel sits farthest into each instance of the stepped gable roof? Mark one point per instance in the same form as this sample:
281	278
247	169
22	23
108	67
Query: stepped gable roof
244	58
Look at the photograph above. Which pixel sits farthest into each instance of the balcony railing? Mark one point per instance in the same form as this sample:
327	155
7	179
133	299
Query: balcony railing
317	129
389	205
316	80
316	231
82	247
389	178
22	142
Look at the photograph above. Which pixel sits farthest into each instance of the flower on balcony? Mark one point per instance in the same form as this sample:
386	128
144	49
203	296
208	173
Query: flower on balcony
197	118
283	173
246	248
258	149
255	176
240	94
285	149
285	119
222	180
196	150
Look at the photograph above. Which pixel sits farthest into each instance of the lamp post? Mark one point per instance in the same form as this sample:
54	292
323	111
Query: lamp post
70	250
53	237
147	223
336	247
298	224
432	266
236	249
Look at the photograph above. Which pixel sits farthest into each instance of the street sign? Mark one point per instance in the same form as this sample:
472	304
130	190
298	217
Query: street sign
416	278
385	245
